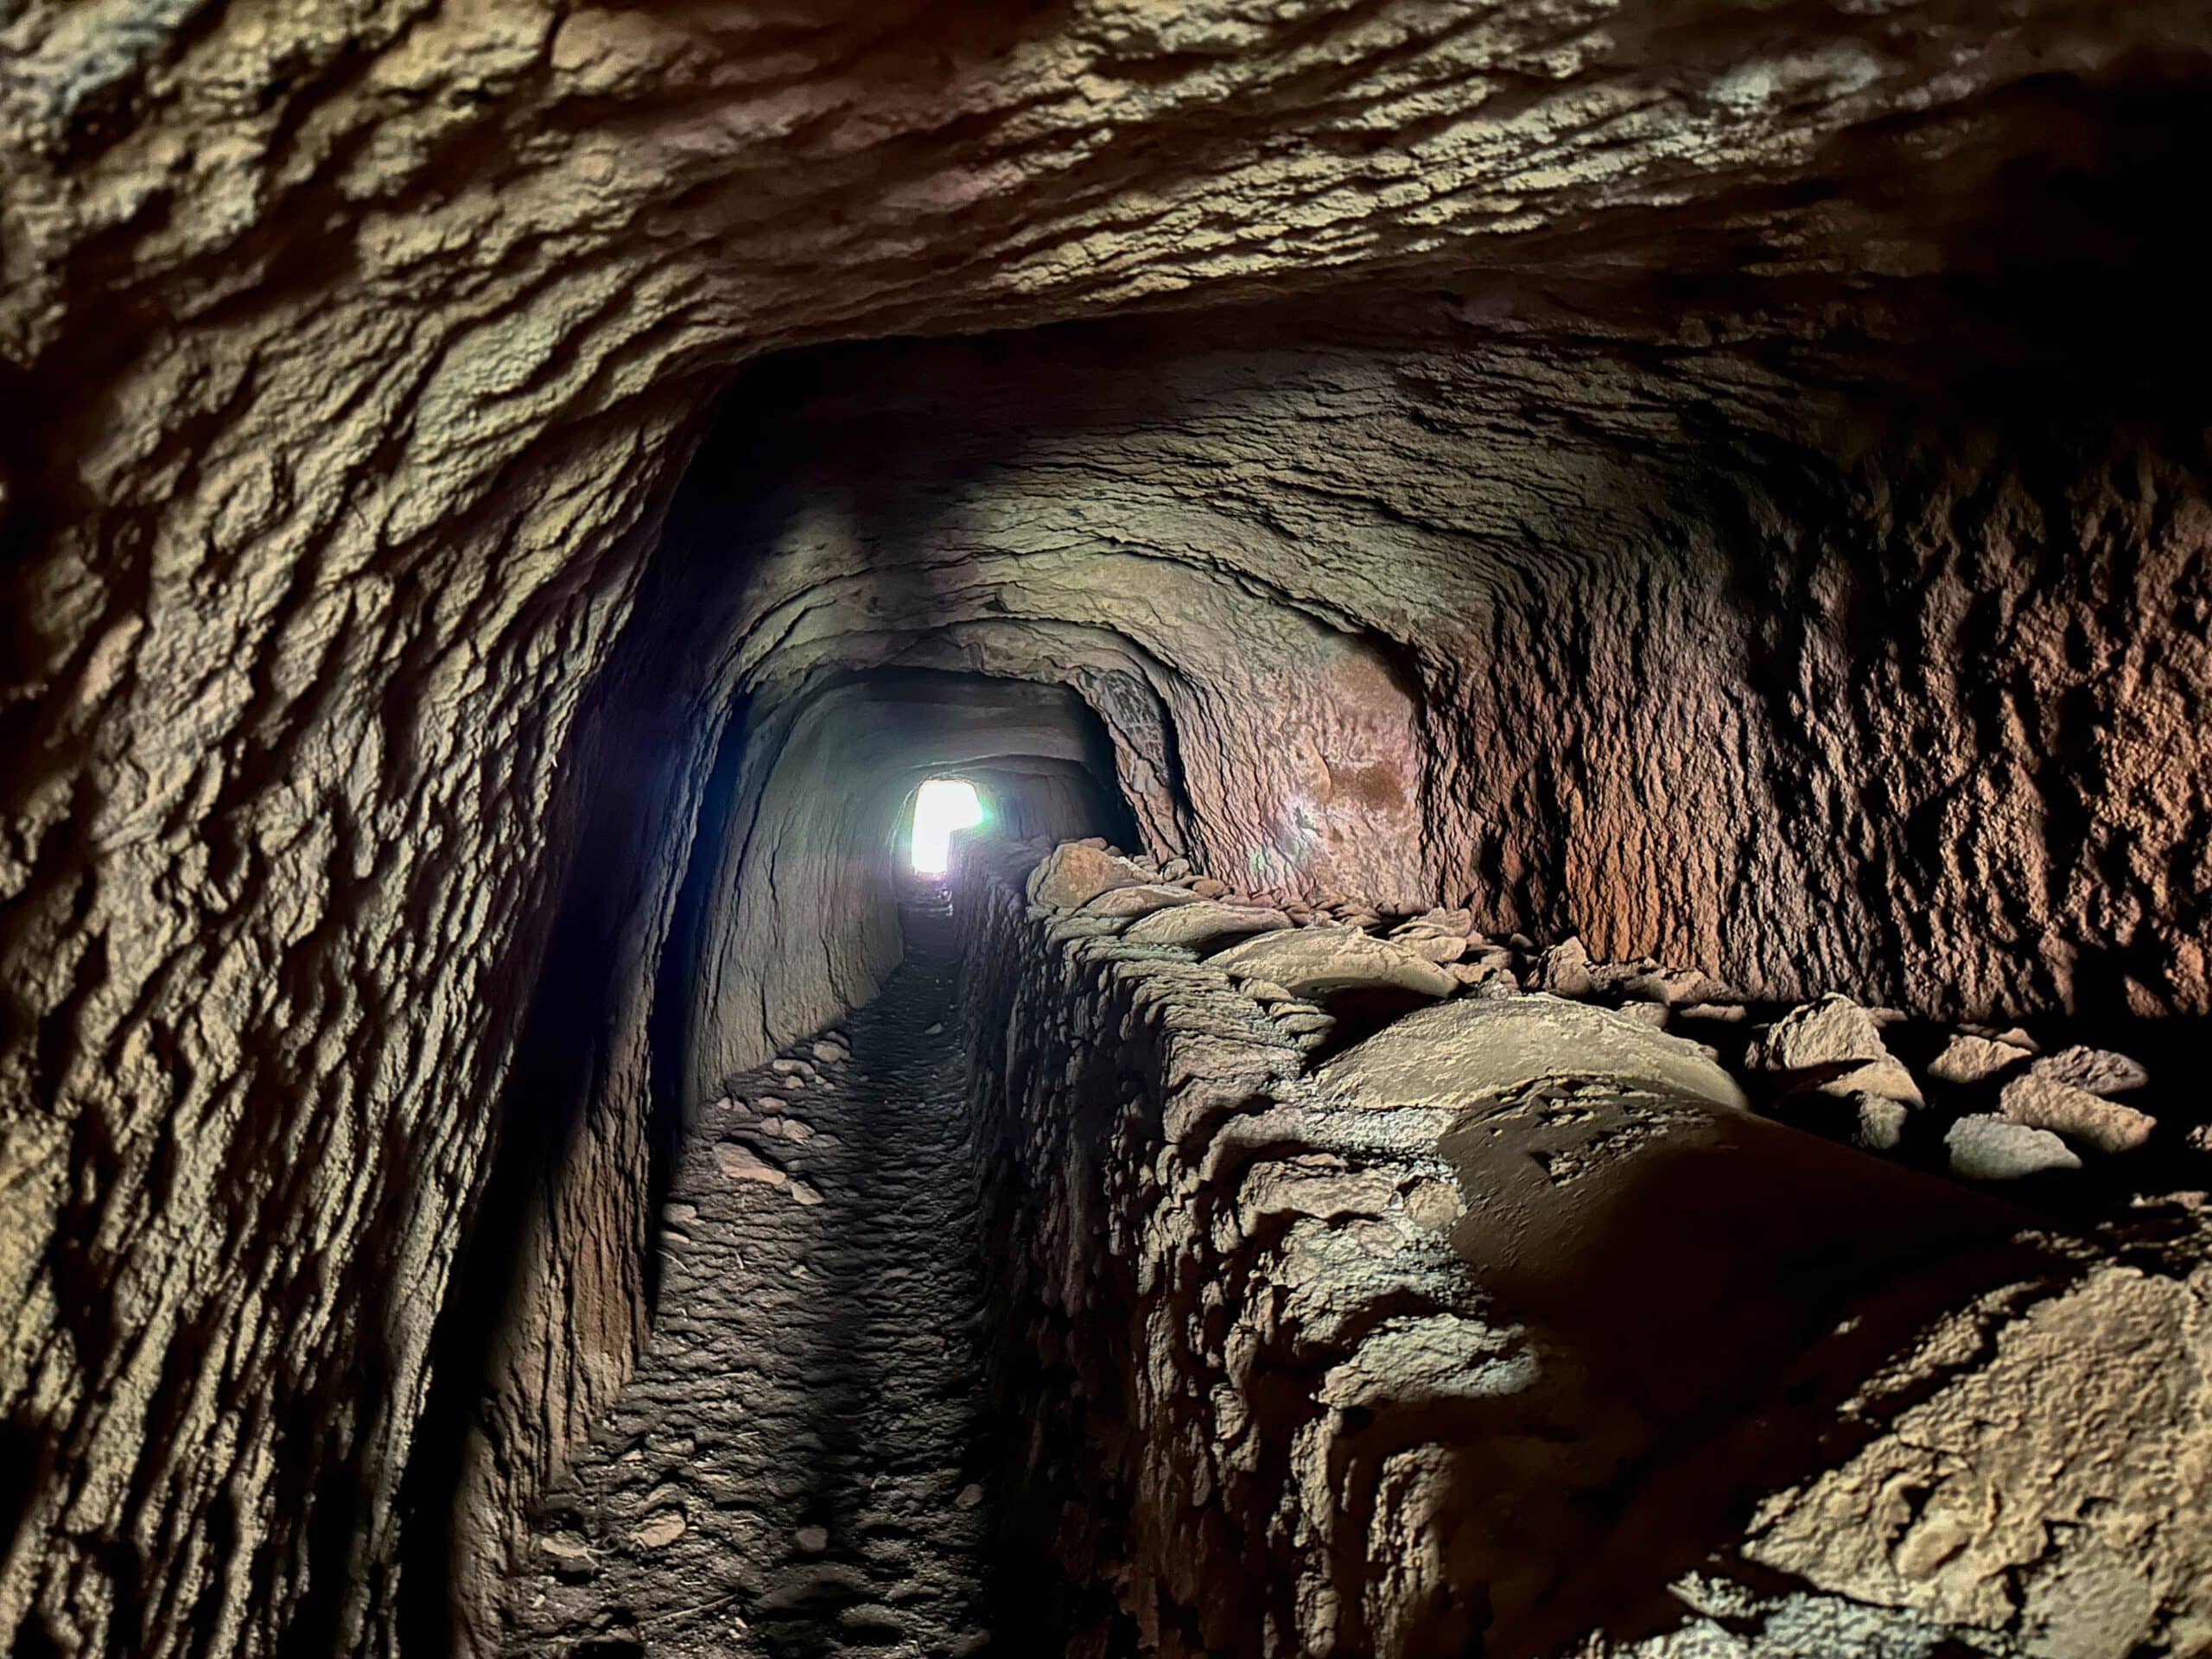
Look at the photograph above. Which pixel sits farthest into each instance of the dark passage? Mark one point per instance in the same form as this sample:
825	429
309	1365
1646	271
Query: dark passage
800	1465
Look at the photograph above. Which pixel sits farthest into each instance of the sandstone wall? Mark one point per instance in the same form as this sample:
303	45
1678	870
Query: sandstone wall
349	357
1308	1365
1774	658
803	920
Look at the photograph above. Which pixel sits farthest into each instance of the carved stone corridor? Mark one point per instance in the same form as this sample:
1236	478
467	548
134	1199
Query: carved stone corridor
802	1465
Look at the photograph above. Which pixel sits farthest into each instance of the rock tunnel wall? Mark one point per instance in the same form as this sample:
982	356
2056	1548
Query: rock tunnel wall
1748	655
1629	635
1153	1165
803	920
374	707
1304	1366
772	908
1657	654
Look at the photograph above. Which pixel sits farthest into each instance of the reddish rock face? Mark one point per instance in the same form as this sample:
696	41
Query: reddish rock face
1738	494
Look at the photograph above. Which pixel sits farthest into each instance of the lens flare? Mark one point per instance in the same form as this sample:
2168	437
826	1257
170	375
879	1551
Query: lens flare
942	805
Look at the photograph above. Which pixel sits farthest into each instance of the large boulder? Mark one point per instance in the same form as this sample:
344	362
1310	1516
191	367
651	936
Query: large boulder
1316	961
1464	1053
1204	921
1073	875
1141	900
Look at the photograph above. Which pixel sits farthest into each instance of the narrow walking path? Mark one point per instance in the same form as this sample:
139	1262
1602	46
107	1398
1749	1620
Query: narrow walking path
798	1466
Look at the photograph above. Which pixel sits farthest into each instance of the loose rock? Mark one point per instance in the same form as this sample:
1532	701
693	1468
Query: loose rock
1202	922
741	1163
1886	1077
1675	987
2043	1102
1835	1031
1727	1014
1075	874
1984	1148
1315	961
1566	970
658	1529
1138	900
1968	1059
1881	1122
2094	1071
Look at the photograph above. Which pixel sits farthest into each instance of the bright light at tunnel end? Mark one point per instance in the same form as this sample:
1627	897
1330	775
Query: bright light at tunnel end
942	805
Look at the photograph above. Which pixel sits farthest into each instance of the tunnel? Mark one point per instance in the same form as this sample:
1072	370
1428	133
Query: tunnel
1568	1022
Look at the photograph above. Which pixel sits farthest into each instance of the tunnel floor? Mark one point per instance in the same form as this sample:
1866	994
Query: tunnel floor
811	1407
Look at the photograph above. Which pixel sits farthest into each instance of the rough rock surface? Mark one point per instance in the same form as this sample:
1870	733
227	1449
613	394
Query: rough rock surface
1463	1053
2042	1101
1986	1147
1203	923
1661	1303
400	783
803	1461
2063	1504
1314	962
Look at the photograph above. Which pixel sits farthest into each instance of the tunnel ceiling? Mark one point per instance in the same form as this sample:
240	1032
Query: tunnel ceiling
456	457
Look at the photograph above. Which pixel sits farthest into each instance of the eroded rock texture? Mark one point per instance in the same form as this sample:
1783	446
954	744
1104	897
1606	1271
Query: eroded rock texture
1730	484
1488	1333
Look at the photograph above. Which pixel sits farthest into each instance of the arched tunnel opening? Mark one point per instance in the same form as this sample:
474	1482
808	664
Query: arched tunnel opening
943	807
1560	1010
